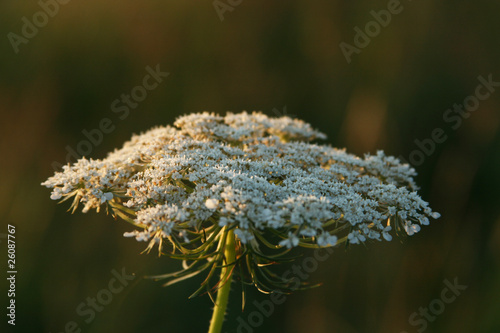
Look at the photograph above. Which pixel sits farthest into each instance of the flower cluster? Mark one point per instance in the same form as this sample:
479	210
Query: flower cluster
260	177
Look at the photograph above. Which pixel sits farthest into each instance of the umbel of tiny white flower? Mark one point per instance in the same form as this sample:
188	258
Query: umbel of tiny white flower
255	181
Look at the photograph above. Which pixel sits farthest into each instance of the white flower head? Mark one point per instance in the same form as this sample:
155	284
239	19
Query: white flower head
56	194
385	233
291	241
247	171
107	196
356	237
262	178
211	203
435	215
326	239
244	236
411	228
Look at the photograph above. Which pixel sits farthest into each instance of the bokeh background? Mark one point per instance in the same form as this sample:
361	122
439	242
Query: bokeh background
283	58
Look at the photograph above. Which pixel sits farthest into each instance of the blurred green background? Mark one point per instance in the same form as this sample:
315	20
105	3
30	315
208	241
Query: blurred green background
283	58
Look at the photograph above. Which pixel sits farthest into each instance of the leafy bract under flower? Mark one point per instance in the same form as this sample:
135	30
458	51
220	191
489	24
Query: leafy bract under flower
257	175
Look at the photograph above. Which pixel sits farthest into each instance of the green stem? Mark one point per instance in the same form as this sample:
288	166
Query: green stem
223	292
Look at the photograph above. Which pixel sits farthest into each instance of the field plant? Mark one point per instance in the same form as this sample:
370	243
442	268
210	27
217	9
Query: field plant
231	196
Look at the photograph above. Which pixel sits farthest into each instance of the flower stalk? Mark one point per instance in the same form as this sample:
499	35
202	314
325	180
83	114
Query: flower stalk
226	276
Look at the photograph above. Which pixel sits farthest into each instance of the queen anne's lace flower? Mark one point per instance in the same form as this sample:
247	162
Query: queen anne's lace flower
257	175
